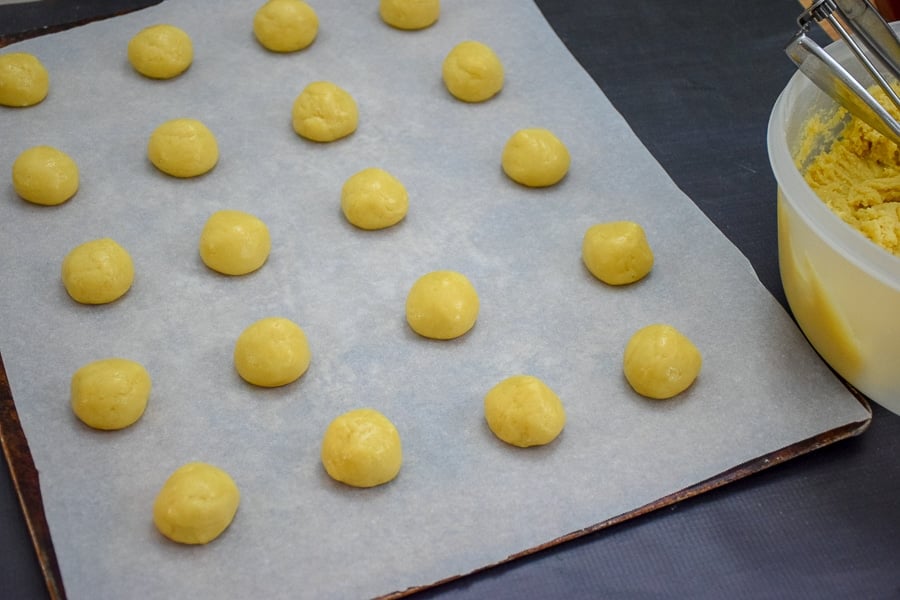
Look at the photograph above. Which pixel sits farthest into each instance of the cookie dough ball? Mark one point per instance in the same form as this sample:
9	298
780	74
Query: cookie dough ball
285	25
23	80
374	199
272	352
362	448
660	362
111	393
234	242
161	51
535	157
617	253
183	148
45	175
97	272
442	305
323	112
472	72
410	14
196	504
523	411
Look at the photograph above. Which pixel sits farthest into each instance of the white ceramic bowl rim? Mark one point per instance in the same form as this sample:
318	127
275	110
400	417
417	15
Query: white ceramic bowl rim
859	250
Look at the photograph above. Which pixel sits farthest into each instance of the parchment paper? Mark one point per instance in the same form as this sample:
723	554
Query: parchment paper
463	499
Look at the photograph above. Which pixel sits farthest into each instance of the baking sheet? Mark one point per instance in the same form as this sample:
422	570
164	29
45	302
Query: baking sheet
463	500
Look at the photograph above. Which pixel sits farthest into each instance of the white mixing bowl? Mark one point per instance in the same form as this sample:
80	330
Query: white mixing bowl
843	290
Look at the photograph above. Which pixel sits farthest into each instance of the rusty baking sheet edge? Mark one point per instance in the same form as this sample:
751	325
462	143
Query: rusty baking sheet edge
750	467
26	481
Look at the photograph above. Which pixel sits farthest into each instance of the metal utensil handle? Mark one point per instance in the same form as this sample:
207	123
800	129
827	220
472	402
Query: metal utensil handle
837	82
867	28
879	35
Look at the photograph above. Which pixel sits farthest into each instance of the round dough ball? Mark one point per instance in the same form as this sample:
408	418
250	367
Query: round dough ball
362	448
234	242
272	352
442	305
45	175
617	252
523	411
535	157
410	14
374	199
660	362
196	504
23	80
183	148
161	51
472	72
285	25
111	393
323	112
97	272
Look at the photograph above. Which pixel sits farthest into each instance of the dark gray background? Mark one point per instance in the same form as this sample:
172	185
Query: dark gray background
696	81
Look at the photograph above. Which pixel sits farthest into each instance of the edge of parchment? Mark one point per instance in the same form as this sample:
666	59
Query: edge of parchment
731	475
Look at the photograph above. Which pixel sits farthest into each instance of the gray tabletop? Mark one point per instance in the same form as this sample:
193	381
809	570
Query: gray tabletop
696	82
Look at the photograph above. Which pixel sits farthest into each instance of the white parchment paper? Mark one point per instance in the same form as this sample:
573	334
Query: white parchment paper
463	499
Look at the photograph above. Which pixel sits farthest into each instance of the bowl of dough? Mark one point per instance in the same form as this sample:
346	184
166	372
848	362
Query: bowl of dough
839	233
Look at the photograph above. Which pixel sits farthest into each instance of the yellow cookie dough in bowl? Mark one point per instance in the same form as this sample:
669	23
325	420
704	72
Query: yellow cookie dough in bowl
45	175
97	272
272	352
617	252
161	51
324	112
442	305
111	393
410	14
23	80
472	72
362	448
196	504
285	25
523	411
661	362
234	242
183	148
535	157
374	199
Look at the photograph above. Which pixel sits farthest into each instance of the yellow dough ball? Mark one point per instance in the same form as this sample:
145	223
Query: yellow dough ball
472	72
196	504
285	25
617	252
183	148
323	112
45	175
523	411
374	199
410	14
161	51
234	242
535	157
362	448
111	393
660	362
272	352
442	305
97	272
23	80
